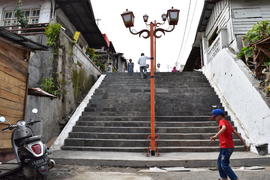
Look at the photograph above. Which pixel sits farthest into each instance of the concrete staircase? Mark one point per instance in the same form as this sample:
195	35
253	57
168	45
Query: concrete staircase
117	117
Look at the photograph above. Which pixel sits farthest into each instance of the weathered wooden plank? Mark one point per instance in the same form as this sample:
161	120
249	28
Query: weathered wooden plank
242	13
12	89
12	105
4	78
10	96
12	70
5	144
14	53
247	13
4	108
4	135
219	12
10	112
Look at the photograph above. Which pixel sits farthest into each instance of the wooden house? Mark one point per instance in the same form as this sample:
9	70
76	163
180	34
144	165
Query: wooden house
14	54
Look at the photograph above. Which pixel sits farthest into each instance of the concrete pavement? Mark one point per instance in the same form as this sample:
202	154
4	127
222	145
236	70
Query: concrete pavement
128	159
98	173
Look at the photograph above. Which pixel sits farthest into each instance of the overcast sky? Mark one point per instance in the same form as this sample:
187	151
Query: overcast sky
168	47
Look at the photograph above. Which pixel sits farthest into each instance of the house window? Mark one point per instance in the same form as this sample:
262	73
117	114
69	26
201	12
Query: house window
32	16
33	19
9	18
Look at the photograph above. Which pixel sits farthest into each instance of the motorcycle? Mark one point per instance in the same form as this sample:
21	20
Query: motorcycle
30	152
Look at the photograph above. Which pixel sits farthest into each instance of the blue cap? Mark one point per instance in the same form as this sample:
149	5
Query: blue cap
218	112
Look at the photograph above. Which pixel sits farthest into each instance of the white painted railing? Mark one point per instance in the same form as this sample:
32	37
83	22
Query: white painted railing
219	43
214	49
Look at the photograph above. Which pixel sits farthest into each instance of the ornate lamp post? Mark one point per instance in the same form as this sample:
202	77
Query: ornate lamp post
153	32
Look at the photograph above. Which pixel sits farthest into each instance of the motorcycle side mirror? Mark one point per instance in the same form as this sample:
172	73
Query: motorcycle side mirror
35	111
2	119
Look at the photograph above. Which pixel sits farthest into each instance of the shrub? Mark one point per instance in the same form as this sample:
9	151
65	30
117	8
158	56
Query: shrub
49	85
258	32
52	32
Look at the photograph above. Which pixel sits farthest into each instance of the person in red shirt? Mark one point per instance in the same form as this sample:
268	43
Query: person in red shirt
226	143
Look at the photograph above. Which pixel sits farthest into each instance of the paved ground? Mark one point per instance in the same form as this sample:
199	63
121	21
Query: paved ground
122	159
98	173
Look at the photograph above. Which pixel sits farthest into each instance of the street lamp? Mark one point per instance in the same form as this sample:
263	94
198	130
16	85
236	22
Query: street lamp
145	18
173	16
164	17
154	28
128	18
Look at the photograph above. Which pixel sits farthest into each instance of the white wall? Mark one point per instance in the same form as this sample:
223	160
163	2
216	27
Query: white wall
236	87
45	12
44	5
246	13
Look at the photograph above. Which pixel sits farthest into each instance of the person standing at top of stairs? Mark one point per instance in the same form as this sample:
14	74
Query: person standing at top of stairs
130	67
225	136
142	63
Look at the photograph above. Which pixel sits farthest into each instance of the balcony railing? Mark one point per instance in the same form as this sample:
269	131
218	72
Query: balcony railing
30	29
214	49
219	43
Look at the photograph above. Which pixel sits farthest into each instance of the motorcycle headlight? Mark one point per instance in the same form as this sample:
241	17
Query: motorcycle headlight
21	123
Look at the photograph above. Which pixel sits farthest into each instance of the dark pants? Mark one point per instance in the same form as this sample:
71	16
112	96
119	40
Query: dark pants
223	163
143	71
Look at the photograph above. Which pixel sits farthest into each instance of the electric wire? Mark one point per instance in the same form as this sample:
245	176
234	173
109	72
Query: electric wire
185	30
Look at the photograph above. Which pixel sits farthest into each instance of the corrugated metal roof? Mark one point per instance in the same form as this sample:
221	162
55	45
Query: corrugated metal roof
20	40
81	15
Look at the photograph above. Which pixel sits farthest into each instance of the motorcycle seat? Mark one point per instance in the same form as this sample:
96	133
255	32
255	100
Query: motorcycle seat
31	139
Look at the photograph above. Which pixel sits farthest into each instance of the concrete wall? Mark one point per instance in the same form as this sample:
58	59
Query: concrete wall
238	90
44	5
70	29
75	75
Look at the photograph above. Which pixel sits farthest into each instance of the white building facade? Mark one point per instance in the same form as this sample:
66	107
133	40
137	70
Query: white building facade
36	11
219	38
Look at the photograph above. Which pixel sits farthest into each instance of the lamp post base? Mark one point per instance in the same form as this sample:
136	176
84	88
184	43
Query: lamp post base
153	151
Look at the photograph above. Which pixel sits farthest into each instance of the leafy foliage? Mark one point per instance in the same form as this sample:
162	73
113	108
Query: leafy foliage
91	53
50	86
246	51
19	14
258	32
100	64
52	32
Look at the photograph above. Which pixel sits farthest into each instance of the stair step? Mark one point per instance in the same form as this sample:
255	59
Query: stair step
117	118
144	149
139	142
104	135
90	117
145	130
146	124
141	135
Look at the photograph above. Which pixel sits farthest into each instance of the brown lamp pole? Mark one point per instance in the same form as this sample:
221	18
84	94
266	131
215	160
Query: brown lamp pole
172	16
